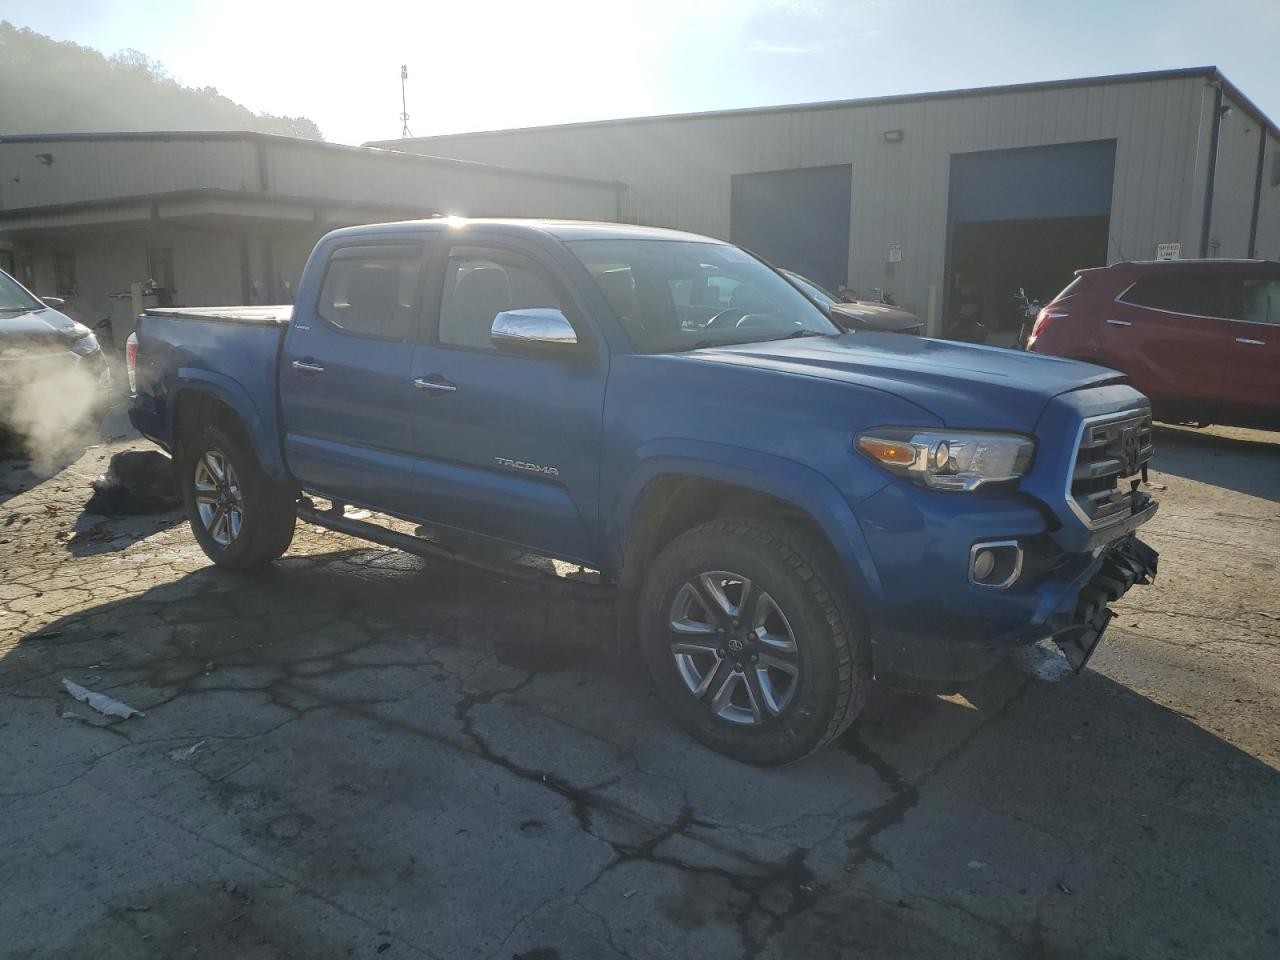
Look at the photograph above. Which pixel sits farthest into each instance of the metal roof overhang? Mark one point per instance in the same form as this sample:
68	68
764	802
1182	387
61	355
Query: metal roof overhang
209	209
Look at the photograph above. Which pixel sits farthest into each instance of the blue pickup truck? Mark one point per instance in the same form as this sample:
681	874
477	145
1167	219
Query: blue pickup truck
780	511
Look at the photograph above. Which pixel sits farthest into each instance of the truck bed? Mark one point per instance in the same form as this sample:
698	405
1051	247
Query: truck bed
228	353
267	315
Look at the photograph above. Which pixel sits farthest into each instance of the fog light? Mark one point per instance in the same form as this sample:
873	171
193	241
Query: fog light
984	561
996	564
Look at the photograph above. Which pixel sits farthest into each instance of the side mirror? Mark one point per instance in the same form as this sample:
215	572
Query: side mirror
532	329
55	303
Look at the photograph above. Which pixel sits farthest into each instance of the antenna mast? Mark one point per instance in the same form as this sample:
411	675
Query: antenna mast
404	107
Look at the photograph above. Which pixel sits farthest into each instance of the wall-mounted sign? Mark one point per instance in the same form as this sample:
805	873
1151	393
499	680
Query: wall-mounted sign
895	253
1168	251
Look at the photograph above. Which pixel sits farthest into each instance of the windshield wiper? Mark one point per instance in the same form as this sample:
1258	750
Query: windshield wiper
795	334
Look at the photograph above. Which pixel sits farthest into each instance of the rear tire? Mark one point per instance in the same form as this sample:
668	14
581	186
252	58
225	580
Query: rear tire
767	678
241	518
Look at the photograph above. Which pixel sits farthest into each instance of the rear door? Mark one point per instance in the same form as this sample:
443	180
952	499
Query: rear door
1169	332
1252	392
507	446
345	390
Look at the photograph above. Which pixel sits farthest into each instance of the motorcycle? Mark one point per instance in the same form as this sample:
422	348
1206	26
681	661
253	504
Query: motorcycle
1028	309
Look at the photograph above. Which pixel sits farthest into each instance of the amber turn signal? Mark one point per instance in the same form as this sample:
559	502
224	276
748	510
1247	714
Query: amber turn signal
887	452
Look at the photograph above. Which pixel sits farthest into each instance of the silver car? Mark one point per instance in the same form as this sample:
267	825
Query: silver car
45	355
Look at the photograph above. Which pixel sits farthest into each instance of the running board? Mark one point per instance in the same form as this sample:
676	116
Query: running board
575	589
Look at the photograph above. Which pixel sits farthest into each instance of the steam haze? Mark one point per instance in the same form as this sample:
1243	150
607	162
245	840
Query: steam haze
52	410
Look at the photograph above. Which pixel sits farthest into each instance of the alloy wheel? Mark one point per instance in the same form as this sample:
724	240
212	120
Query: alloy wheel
733	647
219	501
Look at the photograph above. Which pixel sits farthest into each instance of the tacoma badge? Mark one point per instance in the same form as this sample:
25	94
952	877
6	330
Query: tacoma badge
530	467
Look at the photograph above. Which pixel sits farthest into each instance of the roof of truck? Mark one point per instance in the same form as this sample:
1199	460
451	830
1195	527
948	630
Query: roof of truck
560	229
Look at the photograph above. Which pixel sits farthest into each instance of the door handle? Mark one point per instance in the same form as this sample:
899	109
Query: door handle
1120	323
1252	343
307	367
434	386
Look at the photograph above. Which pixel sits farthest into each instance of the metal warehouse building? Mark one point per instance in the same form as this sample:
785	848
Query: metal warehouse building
938	196
215	218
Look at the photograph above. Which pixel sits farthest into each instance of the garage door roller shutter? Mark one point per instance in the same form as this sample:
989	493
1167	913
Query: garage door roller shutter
1033	183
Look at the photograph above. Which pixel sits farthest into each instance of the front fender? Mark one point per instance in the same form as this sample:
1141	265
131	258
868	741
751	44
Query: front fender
261	429
777	477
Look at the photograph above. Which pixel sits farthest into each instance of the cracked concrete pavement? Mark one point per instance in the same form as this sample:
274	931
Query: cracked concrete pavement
398	758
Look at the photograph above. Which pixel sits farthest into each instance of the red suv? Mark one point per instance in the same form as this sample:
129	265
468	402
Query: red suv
1201	338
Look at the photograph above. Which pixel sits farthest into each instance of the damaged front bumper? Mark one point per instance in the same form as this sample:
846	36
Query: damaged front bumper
1068	606
1124	563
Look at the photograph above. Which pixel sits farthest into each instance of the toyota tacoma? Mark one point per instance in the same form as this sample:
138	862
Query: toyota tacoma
781	512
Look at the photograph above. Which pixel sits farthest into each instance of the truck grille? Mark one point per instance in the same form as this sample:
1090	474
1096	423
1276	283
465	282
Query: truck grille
1112	450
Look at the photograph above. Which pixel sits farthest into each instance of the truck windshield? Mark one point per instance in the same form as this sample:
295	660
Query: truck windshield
674	295
13	297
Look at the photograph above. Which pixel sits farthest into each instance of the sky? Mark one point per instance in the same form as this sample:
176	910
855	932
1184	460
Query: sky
489	64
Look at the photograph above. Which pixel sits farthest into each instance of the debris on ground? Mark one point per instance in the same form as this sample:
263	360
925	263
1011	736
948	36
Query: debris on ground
99	531
136	482
185	754
100	701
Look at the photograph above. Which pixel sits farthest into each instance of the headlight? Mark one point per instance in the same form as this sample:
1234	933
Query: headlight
949	459
85	345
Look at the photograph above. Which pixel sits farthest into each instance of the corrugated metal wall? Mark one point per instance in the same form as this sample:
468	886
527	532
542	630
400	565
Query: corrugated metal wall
678	169
1268	243
41	173
445	187
99	169
1236	177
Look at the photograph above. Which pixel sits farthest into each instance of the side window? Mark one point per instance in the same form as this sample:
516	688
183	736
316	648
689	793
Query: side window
1199	295
1260	302
369	291
479	284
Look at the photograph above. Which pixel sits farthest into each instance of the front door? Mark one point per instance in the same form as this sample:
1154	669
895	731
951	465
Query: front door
1169	333
1252	394
345	391
507	446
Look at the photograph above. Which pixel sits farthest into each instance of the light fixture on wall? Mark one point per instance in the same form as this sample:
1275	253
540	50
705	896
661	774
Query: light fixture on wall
893	136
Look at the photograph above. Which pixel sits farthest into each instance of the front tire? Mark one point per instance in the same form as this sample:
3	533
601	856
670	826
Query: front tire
241	518
751	640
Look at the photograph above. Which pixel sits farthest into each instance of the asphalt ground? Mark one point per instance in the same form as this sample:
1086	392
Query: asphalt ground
361	753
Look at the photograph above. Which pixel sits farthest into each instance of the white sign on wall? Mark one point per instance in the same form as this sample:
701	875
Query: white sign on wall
895	253
1168	251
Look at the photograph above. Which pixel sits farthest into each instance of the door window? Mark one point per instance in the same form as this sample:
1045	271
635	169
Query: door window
1195	294
479	284
370	291
1260	301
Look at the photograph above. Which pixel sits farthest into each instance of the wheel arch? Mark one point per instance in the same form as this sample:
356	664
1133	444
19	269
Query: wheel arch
670	491
208	398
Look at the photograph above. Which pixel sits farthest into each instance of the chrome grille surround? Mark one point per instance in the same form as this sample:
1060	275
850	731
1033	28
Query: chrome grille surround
1109	449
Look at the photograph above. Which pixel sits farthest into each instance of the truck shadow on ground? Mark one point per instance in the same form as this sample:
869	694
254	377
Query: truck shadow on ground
337	695
1245	465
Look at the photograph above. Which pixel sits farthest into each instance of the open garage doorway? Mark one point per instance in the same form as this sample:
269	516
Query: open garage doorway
1025	218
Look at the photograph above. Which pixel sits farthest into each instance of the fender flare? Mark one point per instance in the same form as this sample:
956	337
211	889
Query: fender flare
786	480
263	439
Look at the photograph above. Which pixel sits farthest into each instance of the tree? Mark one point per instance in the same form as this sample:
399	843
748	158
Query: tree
52	86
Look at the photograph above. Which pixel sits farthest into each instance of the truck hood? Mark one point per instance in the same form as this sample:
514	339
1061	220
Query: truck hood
36	332
964	385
